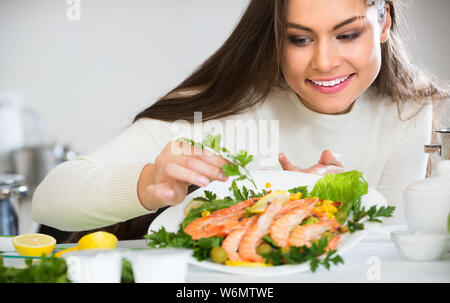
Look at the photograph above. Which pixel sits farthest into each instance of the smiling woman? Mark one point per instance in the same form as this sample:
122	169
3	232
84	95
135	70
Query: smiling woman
333	73
330	62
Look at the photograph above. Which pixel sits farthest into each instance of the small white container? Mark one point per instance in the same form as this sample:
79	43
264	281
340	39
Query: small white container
421	246
6	243
427	211
160	265
427	201
94	266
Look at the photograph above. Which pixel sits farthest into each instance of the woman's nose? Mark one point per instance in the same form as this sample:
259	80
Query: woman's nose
326	56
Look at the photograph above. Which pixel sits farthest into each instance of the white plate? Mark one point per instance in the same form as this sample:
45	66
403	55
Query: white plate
173	216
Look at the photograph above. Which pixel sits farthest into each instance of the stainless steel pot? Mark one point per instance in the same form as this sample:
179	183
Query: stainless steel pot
35	162
12	189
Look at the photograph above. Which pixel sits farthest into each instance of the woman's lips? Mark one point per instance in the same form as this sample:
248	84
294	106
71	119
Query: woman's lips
332	89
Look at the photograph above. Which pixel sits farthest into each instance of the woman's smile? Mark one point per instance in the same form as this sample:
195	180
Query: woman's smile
332	85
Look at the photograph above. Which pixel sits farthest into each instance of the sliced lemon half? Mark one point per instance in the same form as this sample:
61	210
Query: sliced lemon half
246	263
193	204
34	245
281	196
95	240
99	239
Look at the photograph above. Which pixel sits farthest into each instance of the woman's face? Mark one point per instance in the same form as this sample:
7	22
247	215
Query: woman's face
332	52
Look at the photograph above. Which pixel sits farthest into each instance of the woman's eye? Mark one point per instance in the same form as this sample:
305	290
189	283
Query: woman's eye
300	41
348	37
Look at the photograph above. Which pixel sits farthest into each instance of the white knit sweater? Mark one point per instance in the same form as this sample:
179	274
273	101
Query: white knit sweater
100	188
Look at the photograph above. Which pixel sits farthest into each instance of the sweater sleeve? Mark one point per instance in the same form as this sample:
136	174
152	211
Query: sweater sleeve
407	163
100	189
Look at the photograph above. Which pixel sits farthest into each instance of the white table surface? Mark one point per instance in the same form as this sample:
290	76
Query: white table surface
373	260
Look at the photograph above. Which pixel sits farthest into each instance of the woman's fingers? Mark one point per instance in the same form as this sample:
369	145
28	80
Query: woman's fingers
330	158
181	173
185	154
285	163
202	167
321	169
161	192
167	193
329	163
213	159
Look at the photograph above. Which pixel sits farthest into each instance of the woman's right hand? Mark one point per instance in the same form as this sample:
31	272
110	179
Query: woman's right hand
179	165
329	163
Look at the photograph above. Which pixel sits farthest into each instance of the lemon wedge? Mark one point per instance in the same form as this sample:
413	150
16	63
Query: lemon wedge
246	264
95	240
34	245
282	197
191	205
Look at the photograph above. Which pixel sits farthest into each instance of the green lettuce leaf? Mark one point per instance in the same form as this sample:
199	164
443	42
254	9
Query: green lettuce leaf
347	188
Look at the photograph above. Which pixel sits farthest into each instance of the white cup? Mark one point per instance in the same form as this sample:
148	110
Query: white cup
421	246
160	265
427	211
94	266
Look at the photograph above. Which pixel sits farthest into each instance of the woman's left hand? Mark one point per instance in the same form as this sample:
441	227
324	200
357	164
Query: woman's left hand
329	163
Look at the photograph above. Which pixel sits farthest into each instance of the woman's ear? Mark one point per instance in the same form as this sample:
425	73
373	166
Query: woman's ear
387	25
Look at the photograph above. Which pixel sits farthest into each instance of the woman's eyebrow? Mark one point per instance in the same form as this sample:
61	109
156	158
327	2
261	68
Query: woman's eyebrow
336	27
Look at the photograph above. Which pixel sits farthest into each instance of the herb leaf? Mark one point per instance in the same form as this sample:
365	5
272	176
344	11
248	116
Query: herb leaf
47	270
180	239
299	255
371	215
238	164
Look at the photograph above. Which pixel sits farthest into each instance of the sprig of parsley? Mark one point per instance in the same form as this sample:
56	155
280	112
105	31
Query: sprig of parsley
180	239
239	162
299	255
360	215
209	197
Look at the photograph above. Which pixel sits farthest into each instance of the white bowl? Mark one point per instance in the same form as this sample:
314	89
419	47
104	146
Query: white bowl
159	265
421	246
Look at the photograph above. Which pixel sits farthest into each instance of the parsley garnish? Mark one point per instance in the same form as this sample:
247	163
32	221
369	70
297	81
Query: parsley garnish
238	164
372	215
299	255
180	239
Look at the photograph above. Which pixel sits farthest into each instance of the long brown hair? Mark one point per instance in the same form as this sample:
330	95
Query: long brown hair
243	71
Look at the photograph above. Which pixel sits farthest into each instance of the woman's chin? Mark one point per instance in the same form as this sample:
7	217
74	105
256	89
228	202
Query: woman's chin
333	110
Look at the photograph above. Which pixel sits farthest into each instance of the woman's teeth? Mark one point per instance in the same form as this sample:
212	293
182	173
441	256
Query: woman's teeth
330	83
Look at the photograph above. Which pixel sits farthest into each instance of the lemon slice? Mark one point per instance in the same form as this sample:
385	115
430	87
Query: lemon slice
191	205
96	240
34	245
282	197
246	264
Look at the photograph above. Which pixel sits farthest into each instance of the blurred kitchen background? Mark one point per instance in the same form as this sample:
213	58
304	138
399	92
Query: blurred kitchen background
74	73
